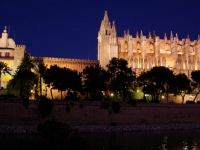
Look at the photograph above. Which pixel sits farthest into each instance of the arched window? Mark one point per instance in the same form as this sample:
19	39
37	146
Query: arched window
149	65
136	63
164	62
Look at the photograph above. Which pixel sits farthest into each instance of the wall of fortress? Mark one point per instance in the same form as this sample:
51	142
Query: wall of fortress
13	113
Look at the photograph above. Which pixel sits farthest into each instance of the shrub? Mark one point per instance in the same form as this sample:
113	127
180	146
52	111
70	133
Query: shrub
25	102
81	105
113	123
190	102
67	109
45	107
115	107
143	101
72	103
133	102
154	101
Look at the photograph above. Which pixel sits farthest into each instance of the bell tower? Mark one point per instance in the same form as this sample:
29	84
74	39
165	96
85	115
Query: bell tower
107	41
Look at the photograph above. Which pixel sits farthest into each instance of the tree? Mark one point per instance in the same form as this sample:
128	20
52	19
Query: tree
95	78
156	81
62	79
121	77
39	69
181	85
24	79
195	75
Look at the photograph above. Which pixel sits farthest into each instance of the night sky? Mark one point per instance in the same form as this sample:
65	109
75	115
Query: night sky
69	28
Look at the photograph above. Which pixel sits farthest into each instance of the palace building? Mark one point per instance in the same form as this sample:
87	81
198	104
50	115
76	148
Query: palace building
11	54
143	53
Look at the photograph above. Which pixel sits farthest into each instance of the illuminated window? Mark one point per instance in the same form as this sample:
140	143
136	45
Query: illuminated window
7	54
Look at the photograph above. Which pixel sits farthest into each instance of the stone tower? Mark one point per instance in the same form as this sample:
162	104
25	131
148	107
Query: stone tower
11	54
107	41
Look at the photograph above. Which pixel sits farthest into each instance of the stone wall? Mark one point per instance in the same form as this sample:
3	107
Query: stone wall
91	113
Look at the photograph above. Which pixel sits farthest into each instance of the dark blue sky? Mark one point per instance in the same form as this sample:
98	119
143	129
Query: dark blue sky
68	28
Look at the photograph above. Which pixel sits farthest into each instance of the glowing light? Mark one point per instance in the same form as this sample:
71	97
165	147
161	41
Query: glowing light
111	94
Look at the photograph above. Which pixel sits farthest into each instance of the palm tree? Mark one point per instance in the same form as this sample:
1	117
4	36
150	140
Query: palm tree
23	79
39	69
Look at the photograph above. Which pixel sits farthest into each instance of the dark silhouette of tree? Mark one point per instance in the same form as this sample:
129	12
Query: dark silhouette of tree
95	79
62	79
181	85
39	69
121	77
195	75
24	79
156	81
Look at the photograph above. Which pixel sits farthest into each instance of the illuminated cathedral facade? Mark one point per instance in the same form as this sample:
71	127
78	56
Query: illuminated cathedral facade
143	53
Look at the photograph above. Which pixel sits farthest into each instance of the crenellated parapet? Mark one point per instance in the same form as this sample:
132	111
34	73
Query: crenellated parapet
20	46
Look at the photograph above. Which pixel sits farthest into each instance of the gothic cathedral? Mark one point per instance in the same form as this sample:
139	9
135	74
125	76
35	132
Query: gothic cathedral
143	53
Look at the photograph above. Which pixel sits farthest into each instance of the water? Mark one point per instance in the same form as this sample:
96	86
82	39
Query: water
154	140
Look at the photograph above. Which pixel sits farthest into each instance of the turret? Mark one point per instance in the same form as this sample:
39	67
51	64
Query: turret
105	28
107	41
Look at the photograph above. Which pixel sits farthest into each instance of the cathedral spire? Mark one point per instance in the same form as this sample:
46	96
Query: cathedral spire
171	35
149	35
105	28
165	36
177	37
141	34
114	28
128	32
105	18
188	37
154	35
137	36
124	33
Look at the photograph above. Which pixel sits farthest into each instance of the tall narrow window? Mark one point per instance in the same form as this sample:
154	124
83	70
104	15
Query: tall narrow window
164	62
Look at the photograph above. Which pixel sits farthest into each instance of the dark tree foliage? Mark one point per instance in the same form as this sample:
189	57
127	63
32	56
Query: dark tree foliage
95	81
181	85
156	81
63	79
39	69
23	80
195	75
121	77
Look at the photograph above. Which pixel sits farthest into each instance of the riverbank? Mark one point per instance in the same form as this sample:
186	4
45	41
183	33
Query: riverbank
106	128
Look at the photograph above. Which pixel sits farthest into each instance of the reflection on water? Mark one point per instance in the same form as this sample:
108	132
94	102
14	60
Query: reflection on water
154	140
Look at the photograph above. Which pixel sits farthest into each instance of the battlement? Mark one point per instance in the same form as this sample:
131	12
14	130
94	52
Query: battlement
64	59
21	46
